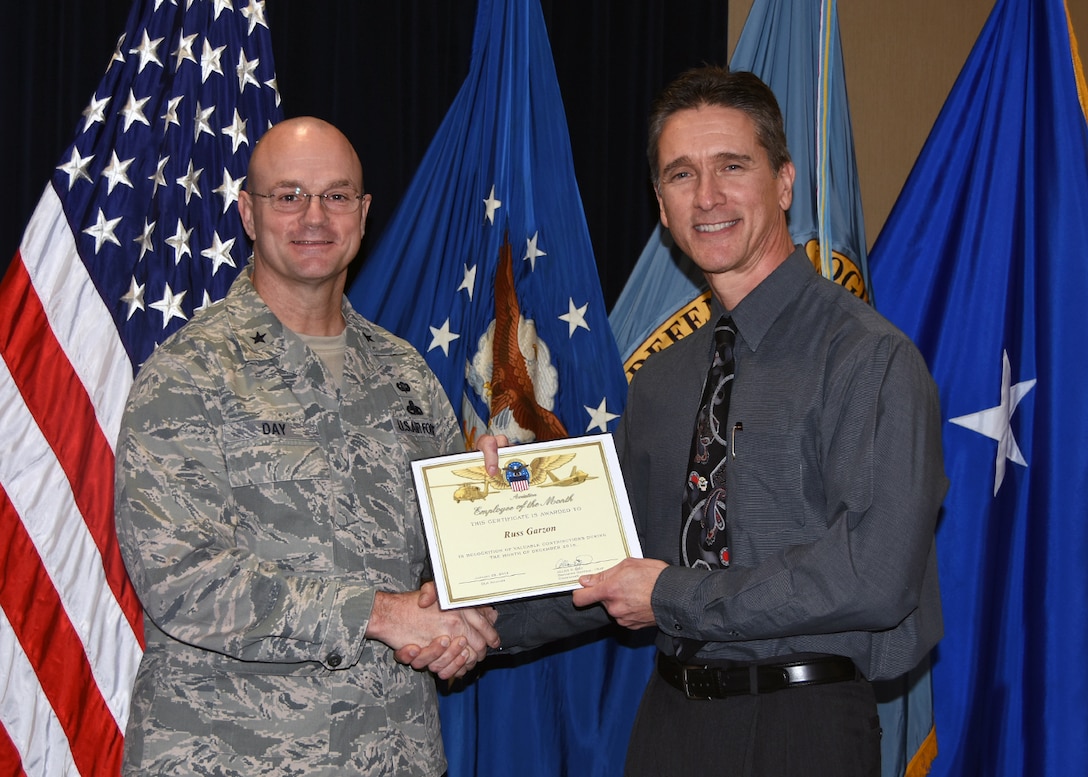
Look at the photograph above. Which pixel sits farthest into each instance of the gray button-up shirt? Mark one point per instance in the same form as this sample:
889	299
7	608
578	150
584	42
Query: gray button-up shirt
834	484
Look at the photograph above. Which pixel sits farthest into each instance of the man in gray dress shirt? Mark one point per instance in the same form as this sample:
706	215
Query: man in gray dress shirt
833	480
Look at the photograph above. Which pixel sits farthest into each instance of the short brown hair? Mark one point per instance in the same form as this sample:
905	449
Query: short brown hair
717	86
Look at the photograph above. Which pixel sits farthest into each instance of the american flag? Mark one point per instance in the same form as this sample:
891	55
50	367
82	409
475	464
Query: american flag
135	233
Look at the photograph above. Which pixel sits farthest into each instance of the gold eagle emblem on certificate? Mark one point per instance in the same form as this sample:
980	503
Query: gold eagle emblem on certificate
514	475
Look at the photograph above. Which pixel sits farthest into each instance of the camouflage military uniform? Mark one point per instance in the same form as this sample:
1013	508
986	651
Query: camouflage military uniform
258	511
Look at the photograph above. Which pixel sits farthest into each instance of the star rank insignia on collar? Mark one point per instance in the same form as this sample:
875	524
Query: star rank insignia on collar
258	338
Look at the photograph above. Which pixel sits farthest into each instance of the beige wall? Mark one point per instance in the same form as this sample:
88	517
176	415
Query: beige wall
901	59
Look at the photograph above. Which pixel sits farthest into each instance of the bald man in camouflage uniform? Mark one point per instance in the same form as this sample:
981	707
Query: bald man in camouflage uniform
266	512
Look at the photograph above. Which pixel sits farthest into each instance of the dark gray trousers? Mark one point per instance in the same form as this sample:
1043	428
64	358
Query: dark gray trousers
827	730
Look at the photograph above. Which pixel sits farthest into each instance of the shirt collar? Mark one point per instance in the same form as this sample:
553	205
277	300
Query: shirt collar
260	334
756	313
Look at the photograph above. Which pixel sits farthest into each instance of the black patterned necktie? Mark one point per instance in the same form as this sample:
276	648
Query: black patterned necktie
703	540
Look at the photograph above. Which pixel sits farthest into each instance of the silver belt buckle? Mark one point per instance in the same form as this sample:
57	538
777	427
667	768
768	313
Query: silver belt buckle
687	685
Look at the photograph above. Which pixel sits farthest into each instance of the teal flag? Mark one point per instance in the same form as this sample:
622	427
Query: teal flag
793	46
665	298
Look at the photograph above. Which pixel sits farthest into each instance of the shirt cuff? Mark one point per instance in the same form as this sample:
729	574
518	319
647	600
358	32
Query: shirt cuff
350	614
675	603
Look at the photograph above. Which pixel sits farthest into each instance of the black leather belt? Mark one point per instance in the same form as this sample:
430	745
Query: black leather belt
712	682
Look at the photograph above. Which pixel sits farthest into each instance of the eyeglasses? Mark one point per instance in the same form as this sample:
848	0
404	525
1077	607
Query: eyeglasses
295	200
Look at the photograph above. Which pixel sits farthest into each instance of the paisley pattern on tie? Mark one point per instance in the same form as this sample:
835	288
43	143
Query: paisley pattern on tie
704	540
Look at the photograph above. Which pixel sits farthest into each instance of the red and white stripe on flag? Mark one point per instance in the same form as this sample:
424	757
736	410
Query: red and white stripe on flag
70	630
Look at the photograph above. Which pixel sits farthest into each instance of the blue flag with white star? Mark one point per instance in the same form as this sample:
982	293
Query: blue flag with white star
982	262
487	268
136	230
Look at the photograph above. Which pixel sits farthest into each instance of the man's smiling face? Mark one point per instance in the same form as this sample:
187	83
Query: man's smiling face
718	196
312	246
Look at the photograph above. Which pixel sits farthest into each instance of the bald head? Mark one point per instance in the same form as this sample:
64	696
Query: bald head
299	138
301	254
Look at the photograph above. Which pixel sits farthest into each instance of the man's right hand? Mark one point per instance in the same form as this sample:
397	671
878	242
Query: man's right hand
439	652
443	655
456	639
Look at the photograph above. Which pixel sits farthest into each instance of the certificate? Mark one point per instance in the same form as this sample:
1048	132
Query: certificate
555	511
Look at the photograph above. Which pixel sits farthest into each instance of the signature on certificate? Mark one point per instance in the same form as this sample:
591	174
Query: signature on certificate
579	561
